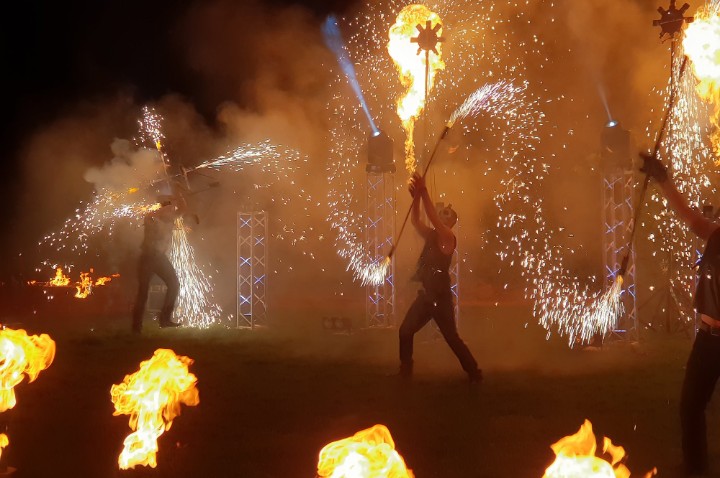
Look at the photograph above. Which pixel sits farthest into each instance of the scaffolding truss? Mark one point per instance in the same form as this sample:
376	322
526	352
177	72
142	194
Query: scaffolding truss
252	268
380	231
618	193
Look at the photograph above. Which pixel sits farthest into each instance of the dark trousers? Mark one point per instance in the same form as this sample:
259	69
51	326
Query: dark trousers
441	310
155	263
701	375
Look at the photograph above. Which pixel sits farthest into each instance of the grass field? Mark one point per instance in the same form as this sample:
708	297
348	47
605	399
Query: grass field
271	399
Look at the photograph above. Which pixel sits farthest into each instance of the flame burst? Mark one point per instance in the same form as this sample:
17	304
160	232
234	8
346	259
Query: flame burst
21	355
367	454
702	46
411	66
152	397
575	458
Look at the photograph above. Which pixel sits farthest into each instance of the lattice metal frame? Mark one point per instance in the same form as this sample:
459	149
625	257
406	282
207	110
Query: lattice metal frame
618	195
380	231
252	268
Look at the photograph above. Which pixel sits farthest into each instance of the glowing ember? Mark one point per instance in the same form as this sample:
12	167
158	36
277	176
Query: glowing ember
21	355
60	279
411	67
152	397
575	458
367	454
702	45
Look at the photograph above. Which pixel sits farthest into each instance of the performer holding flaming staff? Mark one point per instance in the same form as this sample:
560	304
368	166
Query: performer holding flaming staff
159	226
435	299
703	366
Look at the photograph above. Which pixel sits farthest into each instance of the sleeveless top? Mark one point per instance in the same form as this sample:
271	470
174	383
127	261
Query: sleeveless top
707	293
433	267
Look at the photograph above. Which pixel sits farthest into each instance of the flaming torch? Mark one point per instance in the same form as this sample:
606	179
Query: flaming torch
575	458
702	44
367	454
152	397
417	73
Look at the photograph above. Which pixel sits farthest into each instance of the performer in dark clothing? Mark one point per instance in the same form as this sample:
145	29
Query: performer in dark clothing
159	225
703	366
435	299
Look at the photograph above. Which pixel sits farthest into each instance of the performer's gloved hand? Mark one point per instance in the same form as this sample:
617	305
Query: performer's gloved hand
654	168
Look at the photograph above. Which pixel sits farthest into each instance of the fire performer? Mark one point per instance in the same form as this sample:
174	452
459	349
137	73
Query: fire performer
435	299
703	366
159	226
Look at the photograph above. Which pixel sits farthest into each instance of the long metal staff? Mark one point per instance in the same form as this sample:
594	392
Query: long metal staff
661	136
427	166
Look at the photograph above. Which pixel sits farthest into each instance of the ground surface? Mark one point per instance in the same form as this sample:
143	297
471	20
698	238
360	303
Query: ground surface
271	399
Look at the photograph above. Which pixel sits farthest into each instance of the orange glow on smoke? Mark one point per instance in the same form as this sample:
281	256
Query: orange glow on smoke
152	397
702	46
21	355
411	68
367	454
575	458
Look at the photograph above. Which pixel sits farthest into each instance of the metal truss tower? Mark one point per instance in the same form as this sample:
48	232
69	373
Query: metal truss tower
252	268
618	193
380	231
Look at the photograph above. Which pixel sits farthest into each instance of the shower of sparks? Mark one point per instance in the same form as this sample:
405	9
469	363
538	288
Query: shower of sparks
580	316
151	130
702	45
480	50
279	177
100	215
373	274
411	66
195	305
689	154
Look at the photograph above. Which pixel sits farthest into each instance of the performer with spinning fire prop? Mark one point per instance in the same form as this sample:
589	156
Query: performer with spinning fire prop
435	299
159	224
703	366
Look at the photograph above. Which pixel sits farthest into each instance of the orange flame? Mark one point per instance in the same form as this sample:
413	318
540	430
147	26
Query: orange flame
20	355
702	46
86	284
4	441
60	279
575	458
411	67
367	454
84	287
152	397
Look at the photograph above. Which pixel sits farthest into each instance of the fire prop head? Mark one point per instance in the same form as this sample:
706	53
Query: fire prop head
21	355
414	25
702	46
575	458
152	397
367	454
